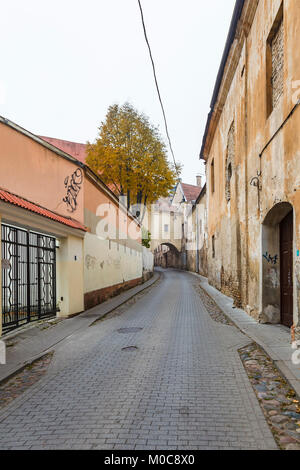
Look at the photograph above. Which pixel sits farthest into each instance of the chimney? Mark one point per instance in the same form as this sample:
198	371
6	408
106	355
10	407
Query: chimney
199	181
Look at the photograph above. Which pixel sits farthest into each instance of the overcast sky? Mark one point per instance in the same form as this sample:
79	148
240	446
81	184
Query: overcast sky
63	62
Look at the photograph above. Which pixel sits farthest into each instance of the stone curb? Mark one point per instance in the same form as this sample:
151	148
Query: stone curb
30	362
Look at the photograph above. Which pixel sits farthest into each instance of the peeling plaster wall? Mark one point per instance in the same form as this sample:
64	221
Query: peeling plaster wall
239	268
107	266
225	218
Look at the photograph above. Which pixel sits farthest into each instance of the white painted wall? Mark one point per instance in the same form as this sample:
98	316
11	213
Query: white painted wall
109	263
69	276
148	260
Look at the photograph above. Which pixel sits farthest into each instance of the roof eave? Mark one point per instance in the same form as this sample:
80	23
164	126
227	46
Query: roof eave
239	5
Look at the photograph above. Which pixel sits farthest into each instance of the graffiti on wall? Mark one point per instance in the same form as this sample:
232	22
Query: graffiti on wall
73	185
271	259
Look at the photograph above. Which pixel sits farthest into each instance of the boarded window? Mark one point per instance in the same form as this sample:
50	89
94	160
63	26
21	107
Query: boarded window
275	62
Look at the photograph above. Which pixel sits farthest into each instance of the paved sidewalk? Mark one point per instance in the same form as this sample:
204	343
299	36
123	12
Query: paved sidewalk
34	340
274	339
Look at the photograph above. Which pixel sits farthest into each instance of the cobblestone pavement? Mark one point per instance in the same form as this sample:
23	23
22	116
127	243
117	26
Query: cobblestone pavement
181	385
19	383
278	401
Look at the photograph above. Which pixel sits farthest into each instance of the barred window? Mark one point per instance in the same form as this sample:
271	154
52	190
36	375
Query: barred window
275	62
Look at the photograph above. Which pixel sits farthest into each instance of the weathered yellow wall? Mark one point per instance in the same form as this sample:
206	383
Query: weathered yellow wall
224	217
239	267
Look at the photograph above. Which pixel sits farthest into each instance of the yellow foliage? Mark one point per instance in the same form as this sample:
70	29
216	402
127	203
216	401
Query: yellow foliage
131	157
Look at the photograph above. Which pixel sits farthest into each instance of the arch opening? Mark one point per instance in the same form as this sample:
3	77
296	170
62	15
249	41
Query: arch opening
166	255
278	266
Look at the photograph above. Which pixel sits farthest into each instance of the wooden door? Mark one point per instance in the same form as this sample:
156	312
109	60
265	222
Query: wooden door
286	269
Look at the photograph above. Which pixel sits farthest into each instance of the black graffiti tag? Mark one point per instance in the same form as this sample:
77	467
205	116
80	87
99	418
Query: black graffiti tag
271	259
73	185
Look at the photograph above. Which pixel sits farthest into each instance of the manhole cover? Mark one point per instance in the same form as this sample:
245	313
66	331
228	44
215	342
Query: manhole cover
129	330
130	348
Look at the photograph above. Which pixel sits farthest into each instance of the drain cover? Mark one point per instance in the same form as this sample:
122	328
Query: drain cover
130	348
129	330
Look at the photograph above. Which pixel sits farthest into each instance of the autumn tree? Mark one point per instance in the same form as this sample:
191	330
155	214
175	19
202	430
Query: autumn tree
131	158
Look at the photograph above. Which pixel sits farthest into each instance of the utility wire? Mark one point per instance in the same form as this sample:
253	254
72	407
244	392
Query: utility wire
157	87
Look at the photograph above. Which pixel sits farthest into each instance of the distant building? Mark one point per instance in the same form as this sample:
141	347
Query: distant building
169	225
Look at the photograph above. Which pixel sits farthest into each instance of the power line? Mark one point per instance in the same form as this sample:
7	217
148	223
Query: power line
156	84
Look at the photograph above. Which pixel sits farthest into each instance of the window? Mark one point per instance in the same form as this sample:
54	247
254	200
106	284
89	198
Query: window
212	175
275	62
213	242
166	228
230	157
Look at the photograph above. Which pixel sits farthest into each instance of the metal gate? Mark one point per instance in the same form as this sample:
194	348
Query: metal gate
28	276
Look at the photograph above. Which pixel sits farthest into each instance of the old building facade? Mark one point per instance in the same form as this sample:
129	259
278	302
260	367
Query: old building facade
66	242
251	147
168	224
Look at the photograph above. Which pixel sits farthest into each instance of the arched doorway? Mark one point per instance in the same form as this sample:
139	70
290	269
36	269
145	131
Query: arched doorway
278	265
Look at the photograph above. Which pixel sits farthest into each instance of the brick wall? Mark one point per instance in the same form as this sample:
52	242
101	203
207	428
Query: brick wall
91	299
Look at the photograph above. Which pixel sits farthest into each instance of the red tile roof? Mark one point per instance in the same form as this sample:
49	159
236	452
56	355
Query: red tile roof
30	206
191	192
74	149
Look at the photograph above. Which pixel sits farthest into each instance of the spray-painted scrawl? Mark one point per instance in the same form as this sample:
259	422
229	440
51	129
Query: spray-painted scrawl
271	259
73	185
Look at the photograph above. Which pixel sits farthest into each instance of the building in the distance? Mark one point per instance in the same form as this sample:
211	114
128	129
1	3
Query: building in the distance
168	225
196	235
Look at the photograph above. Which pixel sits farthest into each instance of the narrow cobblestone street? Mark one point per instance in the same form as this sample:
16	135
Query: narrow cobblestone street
175	381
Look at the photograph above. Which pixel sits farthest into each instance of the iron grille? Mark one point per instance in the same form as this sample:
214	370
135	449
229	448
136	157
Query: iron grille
28	276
